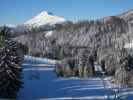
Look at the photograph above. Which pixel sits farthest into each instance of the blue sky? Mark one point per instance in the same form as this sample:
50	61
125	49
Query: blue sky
19	11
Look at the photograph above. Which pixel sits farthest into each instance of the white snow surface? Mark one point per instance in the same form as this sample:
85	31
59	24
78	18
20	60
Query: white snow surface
97	67
49	33
44	18
41	83
10	25
37	60
129	45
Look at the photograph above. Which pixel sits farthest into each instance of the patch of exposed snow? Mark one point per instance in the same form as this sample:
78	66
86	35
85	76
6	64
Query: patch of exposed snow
97	67
129	45
11	25
49	33
37	60
39	65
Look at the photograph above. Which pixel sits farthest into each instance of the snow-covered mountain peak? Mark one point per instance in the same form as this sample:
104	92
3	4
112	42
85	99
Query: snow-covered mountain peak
43	14
44	18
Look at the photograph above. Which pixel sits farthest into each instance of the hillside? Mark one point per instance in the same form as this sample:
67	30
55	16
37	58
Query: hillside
109	32
105	38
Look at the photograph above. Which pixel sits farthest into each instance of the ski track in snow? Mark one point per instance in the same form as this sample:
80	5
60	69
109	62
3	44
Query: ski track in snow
41	83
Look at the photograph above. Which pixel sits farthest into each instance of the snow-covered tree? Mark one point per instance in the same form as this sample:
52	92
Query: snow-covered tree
10	70
86	63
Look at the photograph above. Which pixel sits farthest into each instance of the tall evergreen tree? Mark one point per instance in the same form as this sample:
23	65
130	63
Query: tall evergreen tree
10	61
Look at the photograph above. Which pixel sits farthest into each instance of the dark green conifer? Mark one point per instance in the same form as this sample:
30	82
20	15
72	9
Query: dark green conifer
10	65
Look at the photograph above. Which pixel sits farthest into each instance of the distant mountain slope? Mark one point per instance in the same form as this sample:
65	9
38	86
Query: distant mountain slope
128	16
44	18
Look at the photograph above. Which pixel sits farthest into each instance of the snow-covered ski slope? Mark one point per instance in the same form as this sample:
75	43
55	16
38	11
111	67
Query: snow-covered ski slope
37	60
41	83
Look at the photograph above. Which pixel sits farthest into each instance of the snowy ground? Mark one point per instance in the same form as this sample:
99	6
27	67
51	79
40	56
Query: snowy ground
41	83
